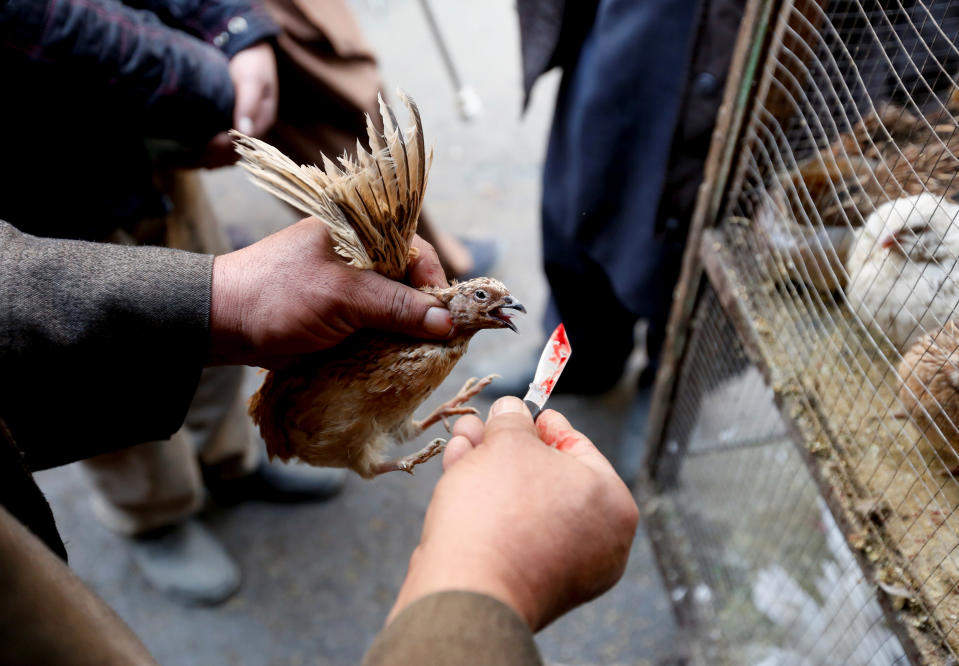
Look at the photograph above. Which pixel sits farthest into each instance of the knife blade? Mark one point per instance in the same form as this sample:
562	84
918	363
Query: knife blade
551	363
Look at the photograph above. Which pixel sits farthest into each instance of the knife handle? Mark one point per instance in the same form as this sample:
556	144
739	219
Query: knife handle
533	409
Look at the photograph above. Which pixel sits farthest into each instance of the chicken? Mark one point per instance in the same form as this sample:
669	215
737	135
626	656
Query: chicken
902	267
807	216
342	406
929	371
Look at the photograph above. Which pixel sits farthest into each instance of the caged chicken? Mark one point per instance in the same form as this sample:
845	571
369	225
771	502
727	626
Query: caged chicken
342	406
902	267
807	216
929	371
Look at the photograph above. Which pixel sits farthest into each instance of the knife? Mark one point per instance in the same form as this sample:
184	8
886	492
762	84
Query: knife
550	367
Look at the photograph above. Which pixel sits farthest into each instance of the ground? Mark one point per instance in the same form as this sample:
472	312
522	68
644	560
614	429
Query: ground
319	579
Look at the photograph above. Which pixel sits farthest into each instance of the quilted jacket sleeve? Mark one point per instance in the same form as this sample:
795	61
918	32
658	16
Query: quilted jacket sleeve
167	66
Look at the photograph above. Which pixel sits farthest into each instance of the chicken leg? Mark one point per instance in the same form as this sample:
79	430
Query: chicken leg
407	463
452	407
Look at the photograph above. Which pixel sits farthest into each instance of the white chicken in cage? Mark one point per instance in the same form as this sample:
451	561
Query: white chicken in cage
902	267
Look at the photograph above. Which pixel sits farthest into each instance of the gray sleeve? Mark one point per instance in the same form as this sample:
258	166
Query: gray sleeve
455	628
101	346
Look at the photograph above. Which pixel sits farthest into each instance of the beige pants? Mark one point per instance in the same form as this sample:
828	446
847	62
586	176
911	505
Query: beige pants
156	484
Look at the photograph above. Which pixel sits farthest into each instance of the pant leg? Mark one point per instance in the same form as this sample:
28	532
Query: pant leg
220	425
159	483
146	486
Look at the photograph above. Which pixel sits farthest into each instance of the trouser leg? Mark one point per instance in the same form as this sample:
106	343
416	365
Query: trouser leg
160	483
157	484
146	486
599	328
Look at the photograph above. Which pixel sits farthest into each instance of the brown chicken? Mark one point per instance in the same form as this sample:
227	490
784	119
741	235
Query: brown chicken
807	215
341	407
929	371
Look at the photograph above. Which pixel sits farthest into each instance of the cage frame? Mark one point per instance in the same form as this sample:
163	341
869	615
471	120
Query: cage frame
704	261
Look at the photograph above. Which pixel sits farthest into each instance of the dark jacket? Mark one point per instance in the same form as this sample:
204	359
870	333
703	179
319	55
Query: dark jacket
93	338
86	81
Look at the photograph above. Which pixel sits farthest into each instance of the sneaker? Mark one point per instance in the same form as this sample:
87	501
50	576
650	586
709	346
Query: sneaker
187	563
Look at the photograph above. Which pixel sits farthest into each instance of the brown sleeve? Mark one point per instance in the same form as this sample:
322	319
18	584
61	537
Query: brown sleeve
49	616
450	628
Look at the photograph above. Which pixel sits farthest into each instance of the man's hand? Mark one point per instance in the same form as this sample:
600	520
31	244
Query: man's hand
255	82
531	514
290	294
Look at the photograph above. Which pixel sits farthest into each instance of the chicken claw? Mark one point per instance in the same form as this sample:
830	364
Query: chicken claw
451	407
407	463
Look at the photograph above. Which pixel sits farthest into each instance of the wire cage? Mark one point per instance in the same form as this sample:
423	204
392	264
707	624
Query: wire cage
803	441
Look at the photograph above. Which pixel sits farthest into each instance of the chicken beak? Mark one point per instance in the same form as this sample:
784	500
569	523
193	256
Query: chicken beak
508	303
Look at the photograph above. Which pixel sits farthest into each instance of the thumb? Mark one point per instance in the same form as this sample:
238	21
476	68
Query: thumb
392	306
511	416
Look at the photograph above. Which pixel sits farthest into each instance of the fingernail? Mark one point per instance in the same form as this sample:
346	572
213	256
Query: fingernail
245	125
507	405
437	321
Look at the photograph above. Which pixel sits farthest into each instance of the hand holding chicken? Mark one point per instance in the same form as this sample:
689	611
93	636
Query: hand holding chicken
341	407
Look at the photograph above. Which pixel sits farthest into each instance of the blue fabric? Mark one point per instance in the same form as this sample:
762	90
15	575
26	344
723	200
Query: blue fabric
85	82
610	145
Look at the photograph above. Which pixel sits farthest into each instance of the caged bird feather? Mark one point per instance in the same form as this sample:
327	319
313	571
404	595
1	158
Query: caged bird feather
929	392
341	407
808	216
902	267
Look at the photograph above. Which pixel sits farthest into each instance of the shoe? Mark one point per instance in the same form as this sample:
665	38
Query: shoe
186	562
278	483
632	447
484	252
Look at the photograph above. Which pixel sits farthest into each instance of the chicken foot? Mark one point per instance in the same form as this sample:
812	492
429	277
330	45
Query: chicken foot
407	463
452	406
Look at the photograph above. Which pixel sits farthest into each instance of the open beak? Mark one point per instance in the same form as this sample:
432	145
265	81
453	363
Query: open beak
509	303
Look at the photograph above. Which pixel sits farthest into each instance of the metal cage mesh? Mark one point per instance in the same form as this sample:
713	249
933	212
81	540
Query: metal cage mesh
807	460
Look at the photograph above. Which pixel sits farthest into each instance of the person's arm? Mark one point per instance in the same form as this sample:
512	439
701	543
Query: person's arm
49	616
230	25
527	522
177	83
101	345
243	30
94	339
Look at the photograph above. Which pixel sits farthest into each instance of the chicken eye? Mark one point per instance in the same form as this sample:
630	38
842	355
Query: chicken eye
480	295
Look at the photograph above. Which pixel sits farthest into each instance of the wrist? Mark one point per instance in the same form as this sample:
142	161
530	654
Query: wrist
227	341
433	572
